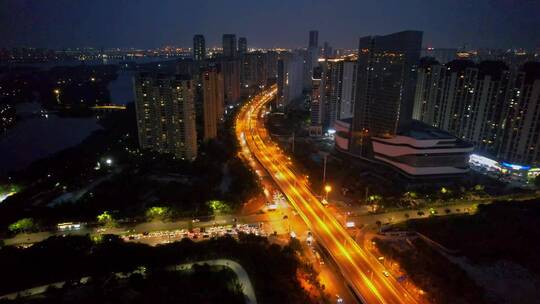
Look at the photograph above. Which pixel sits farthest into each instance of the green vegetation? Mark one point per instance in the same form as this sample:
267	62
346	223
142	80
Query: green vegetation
498	231
443	281
202	284
158	213
22	225
504	231
9	188
138	180
106	219
271	268
218	207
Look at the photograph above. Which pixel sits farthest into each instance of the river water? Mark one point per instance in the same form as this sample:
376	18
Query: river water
37	135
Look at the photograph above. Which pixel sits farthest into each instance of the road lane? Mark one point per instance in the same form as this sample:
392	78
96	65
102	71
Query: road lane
363	272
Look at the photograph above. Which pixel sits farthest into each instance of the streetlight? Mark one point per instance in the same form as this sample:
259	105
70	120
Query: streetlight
57	94
327	190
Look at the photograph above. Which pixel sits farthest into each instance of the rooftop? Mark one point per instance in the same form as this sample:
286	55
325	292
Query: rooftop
422	131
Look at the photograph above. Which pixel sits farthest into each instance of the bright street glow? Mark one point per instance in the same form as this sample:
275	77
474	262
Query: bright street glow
361	271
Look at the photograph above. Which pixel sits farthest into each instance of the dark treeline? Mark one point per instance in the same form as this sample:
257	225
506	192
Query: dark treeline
272	268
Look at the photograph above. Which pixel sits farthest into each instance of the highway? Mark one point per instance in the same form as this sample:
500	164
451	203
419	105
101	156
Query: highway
362	271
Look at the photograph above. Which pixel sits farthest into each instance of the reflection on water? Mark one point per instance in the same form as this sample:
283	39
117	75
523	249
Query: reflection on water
36	137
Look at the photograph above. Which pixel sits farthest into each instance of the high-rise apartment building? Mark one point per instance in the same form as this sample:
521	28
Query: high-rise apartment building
488	104
199	48
271	59
332	82
254	72
316	103
242	46
213	100
382	128
521	136
328	52
229	45
230	67
338	80
290	78
311	57
348	90
386	74
165	111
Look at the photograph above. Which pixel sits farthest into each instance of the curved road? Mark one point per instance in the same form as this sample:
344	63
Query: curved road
249	292
361	270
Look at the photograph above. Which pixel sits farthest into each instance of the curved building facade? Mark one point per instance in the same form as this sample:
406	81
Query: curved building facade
420	151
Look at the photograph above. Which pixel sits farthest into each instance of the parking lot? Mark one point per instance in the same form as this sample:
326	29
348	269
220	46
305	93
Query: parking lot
196	234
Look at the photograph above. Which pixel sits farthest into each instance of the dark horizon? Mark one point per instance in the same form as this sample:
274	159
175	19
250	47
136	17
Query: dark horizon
61	24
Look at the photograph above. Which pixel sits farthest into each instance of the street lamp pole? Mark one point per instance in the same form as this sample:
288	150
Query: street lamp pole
327	190
293	142
324	169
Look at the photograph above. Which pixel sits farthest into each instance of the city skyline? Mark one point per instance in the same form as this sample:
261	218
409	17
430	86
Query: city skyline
269	151
62	24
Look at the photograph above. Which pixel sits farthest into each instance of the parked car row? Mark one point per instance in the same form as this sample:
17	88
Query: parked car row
199	233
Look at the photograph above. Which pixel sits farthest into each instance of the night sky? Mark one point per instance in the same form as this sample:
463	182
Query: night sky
146	24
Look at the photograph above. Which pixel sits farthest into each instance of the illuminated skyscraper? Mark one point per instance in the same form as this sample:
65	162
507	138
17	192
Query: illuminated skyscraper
382	128
199	48
386	74
229	45
165	111
338	79
316	103
489	104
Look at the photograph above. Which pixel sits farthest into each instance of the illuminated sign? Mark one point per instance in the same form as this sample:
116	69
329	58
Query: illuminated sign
515	167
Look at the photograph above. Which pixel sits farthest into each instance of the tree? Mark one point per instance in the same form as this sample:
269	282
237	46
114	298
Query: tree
295	244
22	225
156	212
218	207
479	188
106	219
